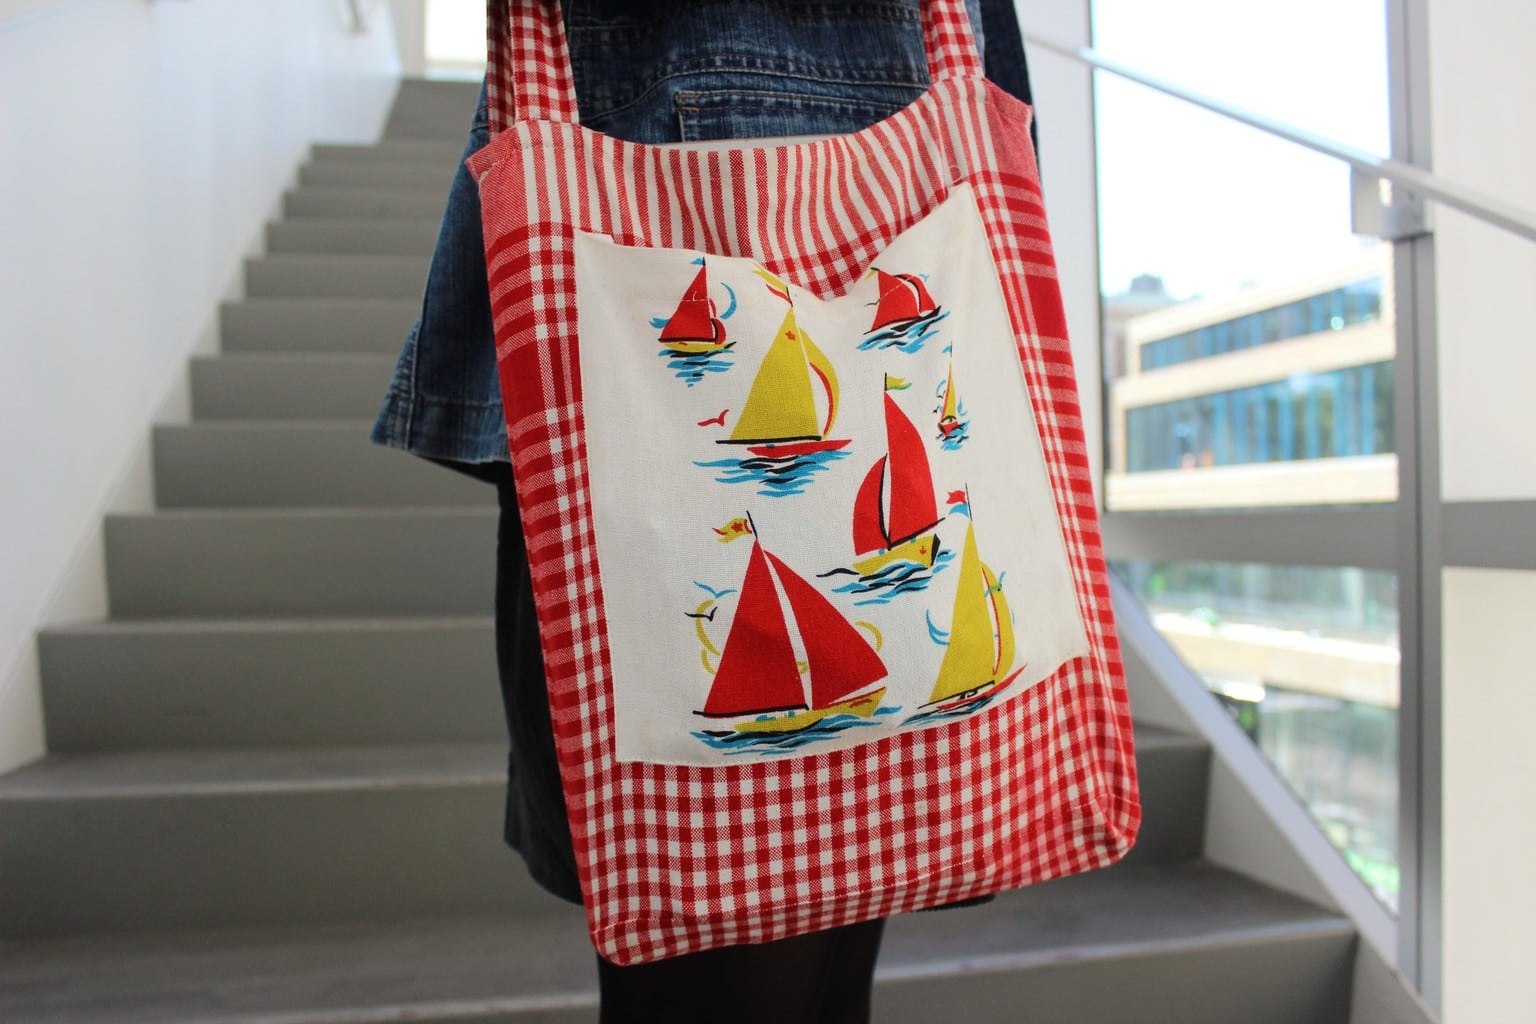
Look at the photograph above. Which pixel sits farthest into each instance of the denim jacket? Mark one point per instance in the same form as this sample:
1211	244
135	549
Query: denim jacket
652	72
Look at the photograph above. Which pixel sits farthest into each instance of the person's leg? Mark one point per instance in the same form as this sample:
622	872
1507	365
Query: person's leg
821	978
849	987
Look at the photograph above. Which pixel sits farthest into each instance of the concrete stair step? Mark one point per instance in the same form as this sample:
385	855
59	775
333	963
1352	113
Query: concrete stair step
283	563
289	386
417	151
354	326
432	109
365	202
183	684
1184	943
373	237
1170	766
394	174
302	463
335	276
212	838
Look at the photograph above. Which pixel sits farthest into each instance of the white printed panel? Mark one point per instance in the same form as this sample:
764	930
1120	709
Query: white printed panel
817	522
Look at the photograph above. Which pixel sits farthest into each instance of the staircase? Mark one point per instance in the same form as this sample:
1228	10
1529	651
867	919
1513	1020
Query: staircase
275	780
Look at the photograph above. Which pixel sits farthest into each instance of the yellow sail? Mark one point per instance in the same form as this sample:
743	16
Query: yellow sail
1005	642
971	653
781	405
951	401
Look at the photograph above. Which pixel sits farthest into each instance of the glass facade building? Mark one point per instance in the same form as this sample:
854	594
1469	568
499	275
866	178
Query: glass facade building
1331	414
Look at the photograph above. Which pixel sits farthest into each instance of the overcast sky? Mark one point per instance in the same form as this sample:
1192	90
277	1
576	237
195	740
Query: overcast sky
1210	204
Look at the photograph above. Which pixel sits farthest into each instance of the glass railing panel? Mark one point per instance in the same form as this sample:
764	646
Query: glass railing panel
1249	344
1306	661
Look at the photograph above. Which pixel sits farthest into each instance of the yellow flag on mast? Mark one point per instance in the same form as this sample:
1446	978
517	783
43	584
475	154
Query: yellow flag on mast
736	528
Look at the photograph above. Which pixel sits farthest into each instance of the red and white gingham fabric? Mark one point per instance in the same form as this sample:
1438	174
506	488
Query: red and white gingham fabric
680	858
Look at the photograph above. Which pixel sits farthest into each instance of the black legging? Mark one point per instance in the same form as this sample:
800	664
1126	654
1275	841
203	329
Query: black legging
821	978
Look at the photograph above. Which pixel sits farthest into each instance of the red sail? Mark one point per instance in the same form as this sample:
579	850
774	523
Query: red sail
914	507
868	528
757	671
902	297
695	318
840	660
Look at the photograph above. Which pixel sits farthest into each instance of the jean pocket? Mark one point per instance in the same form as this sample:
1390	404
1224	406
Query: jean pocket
706	115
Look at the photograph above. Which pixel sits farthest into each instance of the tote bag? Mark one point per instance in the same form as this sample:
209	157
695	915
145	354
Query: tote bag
802	476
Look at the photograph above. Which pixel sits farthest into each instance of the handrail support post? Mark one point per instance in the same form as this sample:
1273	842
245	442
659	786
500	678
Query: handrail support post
1380	208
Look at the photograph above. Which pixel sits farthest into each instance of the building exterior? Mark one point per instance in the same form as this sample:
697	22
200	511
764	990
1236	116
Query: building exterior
1279	395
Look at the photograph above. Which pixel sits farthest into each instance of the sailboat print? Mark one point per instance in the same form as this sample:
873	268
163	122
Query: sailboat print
905	313
953	431
895	510
694	327
786	437
693	338
979	655
760	682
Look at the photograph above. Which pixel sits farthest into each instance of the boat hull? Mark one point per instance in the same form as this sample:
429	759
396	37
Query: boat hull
794	449
696	348
959	701
921	549
863	706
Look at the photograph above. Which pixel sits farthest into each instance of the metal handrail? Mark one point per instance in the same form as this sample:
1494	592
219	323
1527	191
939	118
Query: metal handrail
1414	180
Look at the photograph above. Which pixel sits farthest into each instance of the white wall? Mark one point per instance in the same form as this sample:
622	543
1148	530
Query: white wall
1483	87
142	145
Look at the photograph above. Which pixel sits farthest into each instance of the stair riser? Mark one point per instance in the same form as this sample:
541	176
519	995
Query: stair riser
432	110
309	685
362	237
258	858
277	564
1299	981
325	277
404	151
1167	989
191	859
298	466
1173	785
395	175
378	204
300	387
275	325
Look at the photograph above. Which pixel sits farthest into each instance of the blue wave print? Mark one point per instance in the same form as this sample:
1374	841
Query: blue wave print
957	437
963	711
774	477
896	579
693	367
769	744
908	339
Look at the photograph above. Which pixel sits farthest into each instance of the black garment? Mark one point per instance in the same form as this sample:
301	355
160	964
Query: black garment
535	823
823	977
